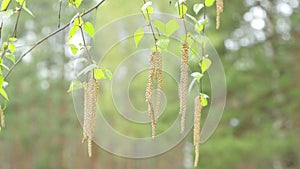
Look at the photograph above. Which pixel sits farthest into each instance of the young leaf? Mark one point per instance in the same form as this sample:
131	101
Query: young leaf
197	8
108	73
3	93
5	4
73	48
209	3
11	57
138	35
98	73
72	32
23	3
171	27
203	98
147	9
89	29
12	39
78	21
163	43
200	25
182	9
160	26
205	64
197	76
75	85
12	47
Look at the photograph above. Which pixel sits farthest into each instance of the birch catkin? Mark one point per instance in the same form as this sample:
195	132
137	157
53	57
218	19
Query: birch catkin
90	108
220	7
158	72
149	92
2	118
197	120
183	84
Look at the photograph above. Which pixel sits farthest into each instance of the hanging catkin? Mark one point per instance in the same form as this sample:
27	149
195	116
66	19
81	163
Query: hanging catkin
197	120
220	6
158	72
2	118
149	93
90	108
183	84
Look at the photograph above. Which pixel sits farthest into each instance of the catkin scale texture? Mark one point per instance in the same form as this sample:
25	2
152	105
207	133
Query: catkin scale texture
90	108
2	118
197	128
183	84
220	7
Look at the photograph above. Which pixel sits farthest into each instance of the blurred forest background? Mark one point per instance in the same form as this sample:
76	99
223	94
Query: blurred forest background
258	43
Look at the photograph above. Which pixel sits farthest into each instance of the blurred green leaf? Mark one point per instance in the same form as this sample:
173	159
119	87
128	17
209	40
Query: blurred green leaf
75	85
147	10
197	8
138	35
3	93
108	73
5	4
89	29
99	74
203	98
12	39
200	25
73	48
12	47
209	3
160	26
171	27
72	32
205	64
11	57
181	9
197	76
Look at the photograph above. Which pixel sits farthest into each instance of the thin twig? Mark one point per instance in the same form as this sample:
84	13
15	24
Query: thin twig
89	58
47	37
17	21
59	13
151	27
203	47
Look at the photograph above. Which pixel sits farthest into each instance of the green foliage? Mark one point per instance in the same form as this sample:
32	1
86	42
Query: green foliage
197	8
102	73
181	9
23	4
204	98
197	76
138	35
147	10
209	3
2	91
72	32
89	29
159	25
73	48
75	3
171	27
205	64
5	4
163	43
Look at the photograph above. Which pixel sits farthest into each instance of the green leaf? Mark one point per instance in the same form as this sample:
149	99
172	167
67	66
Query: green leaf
3	93
160	26
203	98
4	66
99	74
138	35
181	9
73	48
78	21
200	25
209	3
108	73
89	29
197	8
12	39
72	32
171	27
163	43
75	3
197	76
12	47
23	3
75	85
11	57
147	9
205	64
5	4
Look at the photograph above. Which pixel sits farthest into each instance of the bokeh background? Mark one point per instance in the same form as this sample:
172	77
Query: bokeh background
258	43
